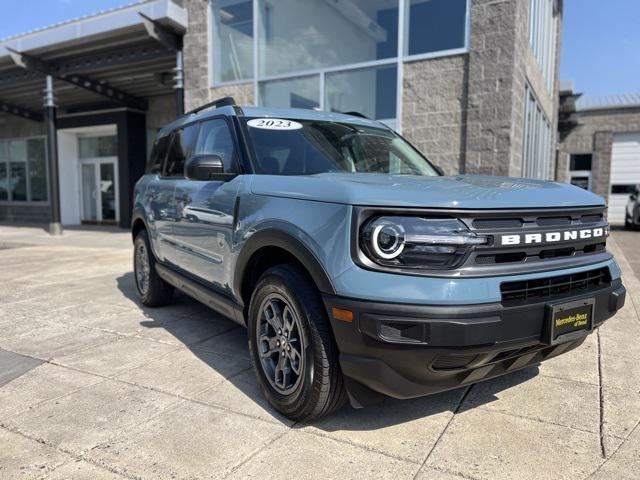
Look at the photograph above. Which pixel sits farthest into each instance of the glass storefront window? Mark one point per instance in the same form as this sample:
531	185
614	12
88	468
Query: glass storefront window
93	147
298	35
346	51
232	40
370	91
4	182
18	181
23	170
37	169
4	172
435	25
302	92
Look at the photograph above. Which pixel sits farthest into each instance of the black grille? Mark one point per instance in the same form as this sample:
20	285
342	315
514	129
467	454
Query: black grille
453	362
553	221
591	218
489	223
539	290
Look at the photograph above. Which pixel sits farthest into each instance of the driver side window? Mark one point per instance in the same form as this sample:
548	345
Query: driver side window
215	139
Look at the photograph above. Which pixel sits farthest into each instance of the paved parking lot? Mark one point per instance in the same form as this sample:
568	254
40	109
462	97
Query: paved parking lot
94	386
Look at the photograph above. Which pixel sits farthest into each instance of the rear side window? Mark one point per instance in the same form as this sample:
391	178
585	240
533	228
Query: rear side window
215	139
181	141
158	153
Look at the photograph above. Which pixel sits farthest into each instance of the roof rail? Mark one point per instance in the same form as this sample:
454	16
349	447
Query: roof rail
356	114
221	102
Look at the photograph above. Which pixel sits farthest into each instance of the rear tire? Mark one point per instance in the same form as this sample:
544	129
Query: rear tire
152	290
628	225
291	345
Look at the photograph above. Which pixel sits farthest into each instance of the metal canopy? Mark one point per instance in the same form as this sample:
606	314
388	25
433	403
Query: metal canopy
118	56
21	112
112	93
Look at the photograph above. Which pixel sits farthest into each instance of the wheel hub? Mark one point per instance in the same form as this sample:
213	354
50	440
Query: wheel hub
280	344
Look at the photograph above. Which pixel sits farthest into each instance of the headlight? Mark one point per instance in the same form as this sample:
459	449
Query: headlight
416	242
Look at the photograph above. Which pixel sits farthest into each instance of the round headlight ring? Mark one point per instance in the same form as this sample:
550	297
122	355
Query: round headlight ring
387	241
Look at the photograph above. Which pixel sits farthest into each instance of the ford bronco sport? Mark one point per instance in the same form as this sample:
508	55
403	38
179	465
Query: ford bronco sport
358	268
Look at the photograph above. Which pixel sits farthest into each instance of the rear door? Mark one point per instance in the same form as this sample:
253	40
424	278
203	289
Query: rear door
205	210
173	173
157	196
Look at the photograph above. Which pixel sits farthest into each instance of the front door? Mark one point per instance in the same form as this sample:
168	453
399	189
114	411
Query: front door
205	211
99	190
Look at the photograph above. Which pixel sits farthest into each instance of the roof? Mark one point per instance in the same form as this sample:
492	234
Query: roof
606	102
96	25
288	113
111	48
71	20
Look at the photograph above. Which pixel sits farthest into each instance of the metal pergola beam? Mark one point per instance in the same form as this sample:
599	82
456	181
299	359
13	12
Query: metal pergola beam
21	112
171	39
112	58
162	34
34	64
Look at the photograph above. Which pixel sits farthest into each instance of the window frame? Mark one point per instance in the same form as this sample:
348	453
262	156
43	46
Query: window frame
8	161
239	153
150	163
189	149
399	59
237	164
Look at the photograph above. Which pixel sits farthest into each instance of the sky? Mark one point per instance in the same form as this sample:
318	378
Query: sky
600	44
19	16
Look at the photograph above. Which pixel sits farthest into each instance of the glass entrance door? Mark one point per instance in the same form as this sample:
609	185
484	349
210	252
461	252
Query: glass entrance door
99	192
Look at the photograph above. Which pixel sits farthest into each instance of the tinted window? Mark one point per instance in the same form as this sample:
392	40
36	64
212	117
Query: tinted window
158	154
580	162
179	150
623	189
436	25
215	139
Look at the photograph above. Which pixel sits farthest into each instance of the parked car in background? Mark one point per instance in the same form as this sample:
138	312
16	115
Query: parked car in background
359	269
632	211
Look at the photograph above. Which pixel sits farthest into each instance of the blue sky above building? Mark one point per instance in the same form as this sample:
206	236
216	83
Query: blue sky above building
600	44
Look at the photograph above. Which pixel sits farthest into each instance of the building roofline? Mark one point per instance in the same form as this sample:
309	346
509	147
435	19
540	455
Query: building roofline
601	108
96	25
608	102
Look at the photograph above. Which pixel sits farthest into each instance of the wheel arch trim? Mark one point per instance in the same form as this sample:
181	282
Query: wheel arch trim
272	237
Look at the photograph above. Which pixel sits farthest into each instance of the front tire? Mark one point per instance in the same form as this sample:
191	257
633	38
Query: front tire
292	347
152	290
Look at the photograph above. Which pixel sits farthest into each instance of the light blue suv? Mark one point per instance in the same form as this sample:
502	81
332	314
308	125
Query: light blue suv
358	268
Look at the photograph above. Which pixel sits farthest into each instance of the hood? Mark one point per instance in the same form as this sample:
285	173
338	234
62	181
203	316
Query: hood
458	192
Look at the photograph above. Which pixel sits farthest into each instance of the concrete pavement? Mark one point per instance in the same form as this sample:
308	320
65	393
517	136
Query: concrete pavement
97	386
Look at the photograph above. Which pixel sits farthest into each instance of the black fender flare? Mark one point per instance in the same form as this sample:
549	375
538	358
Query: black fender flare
138	214
277	238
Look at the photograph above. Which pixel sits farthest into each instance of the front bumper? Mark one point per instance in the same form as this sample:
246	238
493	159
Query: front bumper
407	351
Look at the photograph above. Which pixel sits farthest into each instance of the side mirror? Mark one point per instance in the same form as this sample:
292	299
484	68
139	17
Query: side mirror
439	170
207	167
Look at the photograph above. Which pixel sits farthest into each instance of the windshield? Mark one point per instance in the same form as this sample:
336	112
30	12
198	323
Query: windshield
307	147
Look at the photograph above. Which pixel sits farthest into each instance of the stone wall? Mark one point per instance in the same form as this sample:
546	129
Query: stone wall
16	127
433	109
491	85
162	110
196	54
595	135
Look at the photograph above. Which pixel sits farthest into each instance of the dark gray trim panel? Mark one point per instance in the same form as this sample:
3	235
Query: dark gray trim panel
280	239
220	304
